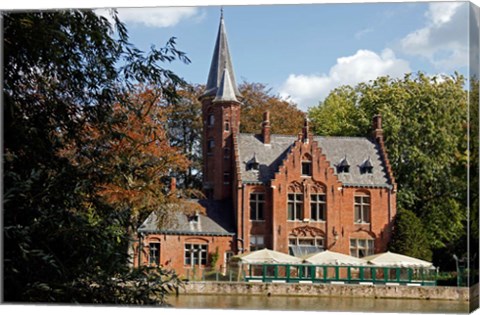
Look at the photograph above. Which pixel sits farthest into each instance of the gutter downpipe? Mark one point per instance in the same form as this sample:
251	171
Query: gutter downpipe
243	218
390	204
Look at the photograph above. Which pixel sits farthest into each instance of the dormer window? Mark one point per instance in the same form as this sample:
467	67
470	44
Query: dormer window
253	164
367	167
194	218
343	166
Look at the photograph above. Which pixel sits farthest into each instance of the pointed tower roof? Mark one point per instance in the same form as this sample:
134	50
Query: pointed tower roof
225	91
221	60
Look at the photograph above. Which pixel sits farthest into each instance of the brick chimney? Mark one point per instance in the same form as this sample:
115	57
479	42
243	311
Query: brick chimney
377	127
266	127
306	136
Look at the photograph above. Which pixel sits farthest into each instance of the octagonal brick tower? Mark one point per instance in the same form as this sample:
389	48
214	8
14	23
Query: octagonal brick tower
221	121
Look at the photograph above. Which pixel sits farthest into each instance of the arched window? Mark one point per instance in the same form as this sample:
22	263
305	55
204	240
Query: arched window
227	126
154	253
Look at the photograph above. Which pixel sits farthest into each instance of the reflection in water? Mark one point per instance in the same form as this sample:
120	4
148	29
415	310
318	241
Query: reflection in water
342	304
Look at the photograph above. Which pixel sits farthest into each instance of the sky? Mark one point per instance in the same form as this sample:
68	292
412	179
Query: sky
303	51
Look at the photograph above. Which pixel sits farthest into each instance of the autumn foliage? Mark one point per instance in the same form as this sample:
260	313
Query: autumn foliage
132	154
285	117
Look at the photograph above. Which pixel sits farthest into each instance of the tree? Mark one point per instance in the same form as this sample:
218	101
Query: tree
132	158
424	122
285	118
185	132
64	240
337	115
409	236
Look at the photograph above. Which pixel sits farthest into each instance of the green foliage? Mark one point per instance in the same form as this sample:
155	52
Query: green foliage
337	115
425	126
64	242
409	237
214	258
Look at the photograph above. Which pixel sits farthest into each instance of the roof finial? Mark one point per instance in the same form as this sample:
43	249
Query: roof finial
221	12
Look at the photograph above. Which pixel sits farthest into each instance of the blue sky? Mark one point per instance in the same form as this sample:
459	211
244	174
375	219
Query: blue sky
303	51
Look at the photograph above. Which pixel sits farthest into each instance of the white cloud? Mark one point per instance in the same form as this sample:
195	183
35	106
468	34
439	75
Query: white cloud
156	17
444	39
360	34
364	65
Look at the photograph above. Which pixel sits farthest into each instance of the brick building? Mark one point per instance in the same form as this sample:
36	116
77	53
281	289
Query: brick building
294	194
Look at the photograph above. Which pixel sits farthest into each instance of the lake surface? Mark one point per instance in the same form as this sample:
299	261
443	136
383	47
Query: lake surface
341	304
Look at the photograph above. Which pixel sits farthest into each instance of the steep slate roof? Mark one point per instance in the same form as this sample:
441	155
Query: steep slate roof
271	156
225	91
221	60
216	223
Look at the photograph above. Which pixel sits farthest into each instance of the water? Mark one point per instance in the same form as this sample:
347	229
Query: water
341	304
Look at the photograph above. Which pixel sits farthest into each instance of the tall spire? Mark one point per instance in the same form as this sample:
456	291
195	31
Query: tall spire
221	60
225	91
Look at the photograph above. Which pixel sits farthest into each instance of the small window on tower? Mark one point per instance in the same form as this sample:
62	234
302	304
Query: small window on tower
211	120
227	126
210	145
226	178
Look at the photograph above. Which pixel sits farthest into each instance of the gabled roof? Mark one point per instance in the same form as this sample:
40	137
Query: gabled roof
271	156
221	60
213	224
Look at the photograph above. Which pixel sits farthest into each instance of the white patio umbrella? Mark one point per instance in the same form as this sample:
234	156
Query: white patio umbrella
390	259
333	258
267	256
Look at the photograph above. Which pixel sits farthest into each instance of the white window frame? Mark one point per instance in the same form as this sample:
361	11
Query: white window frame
157	256
195	254
257	242
362	244
310	168
363	214
297	207
317	207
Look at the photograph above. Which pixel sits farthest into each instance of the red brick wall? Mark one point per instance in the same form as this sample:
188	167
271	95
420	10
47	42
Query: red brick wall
340	206
172	250
215	164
